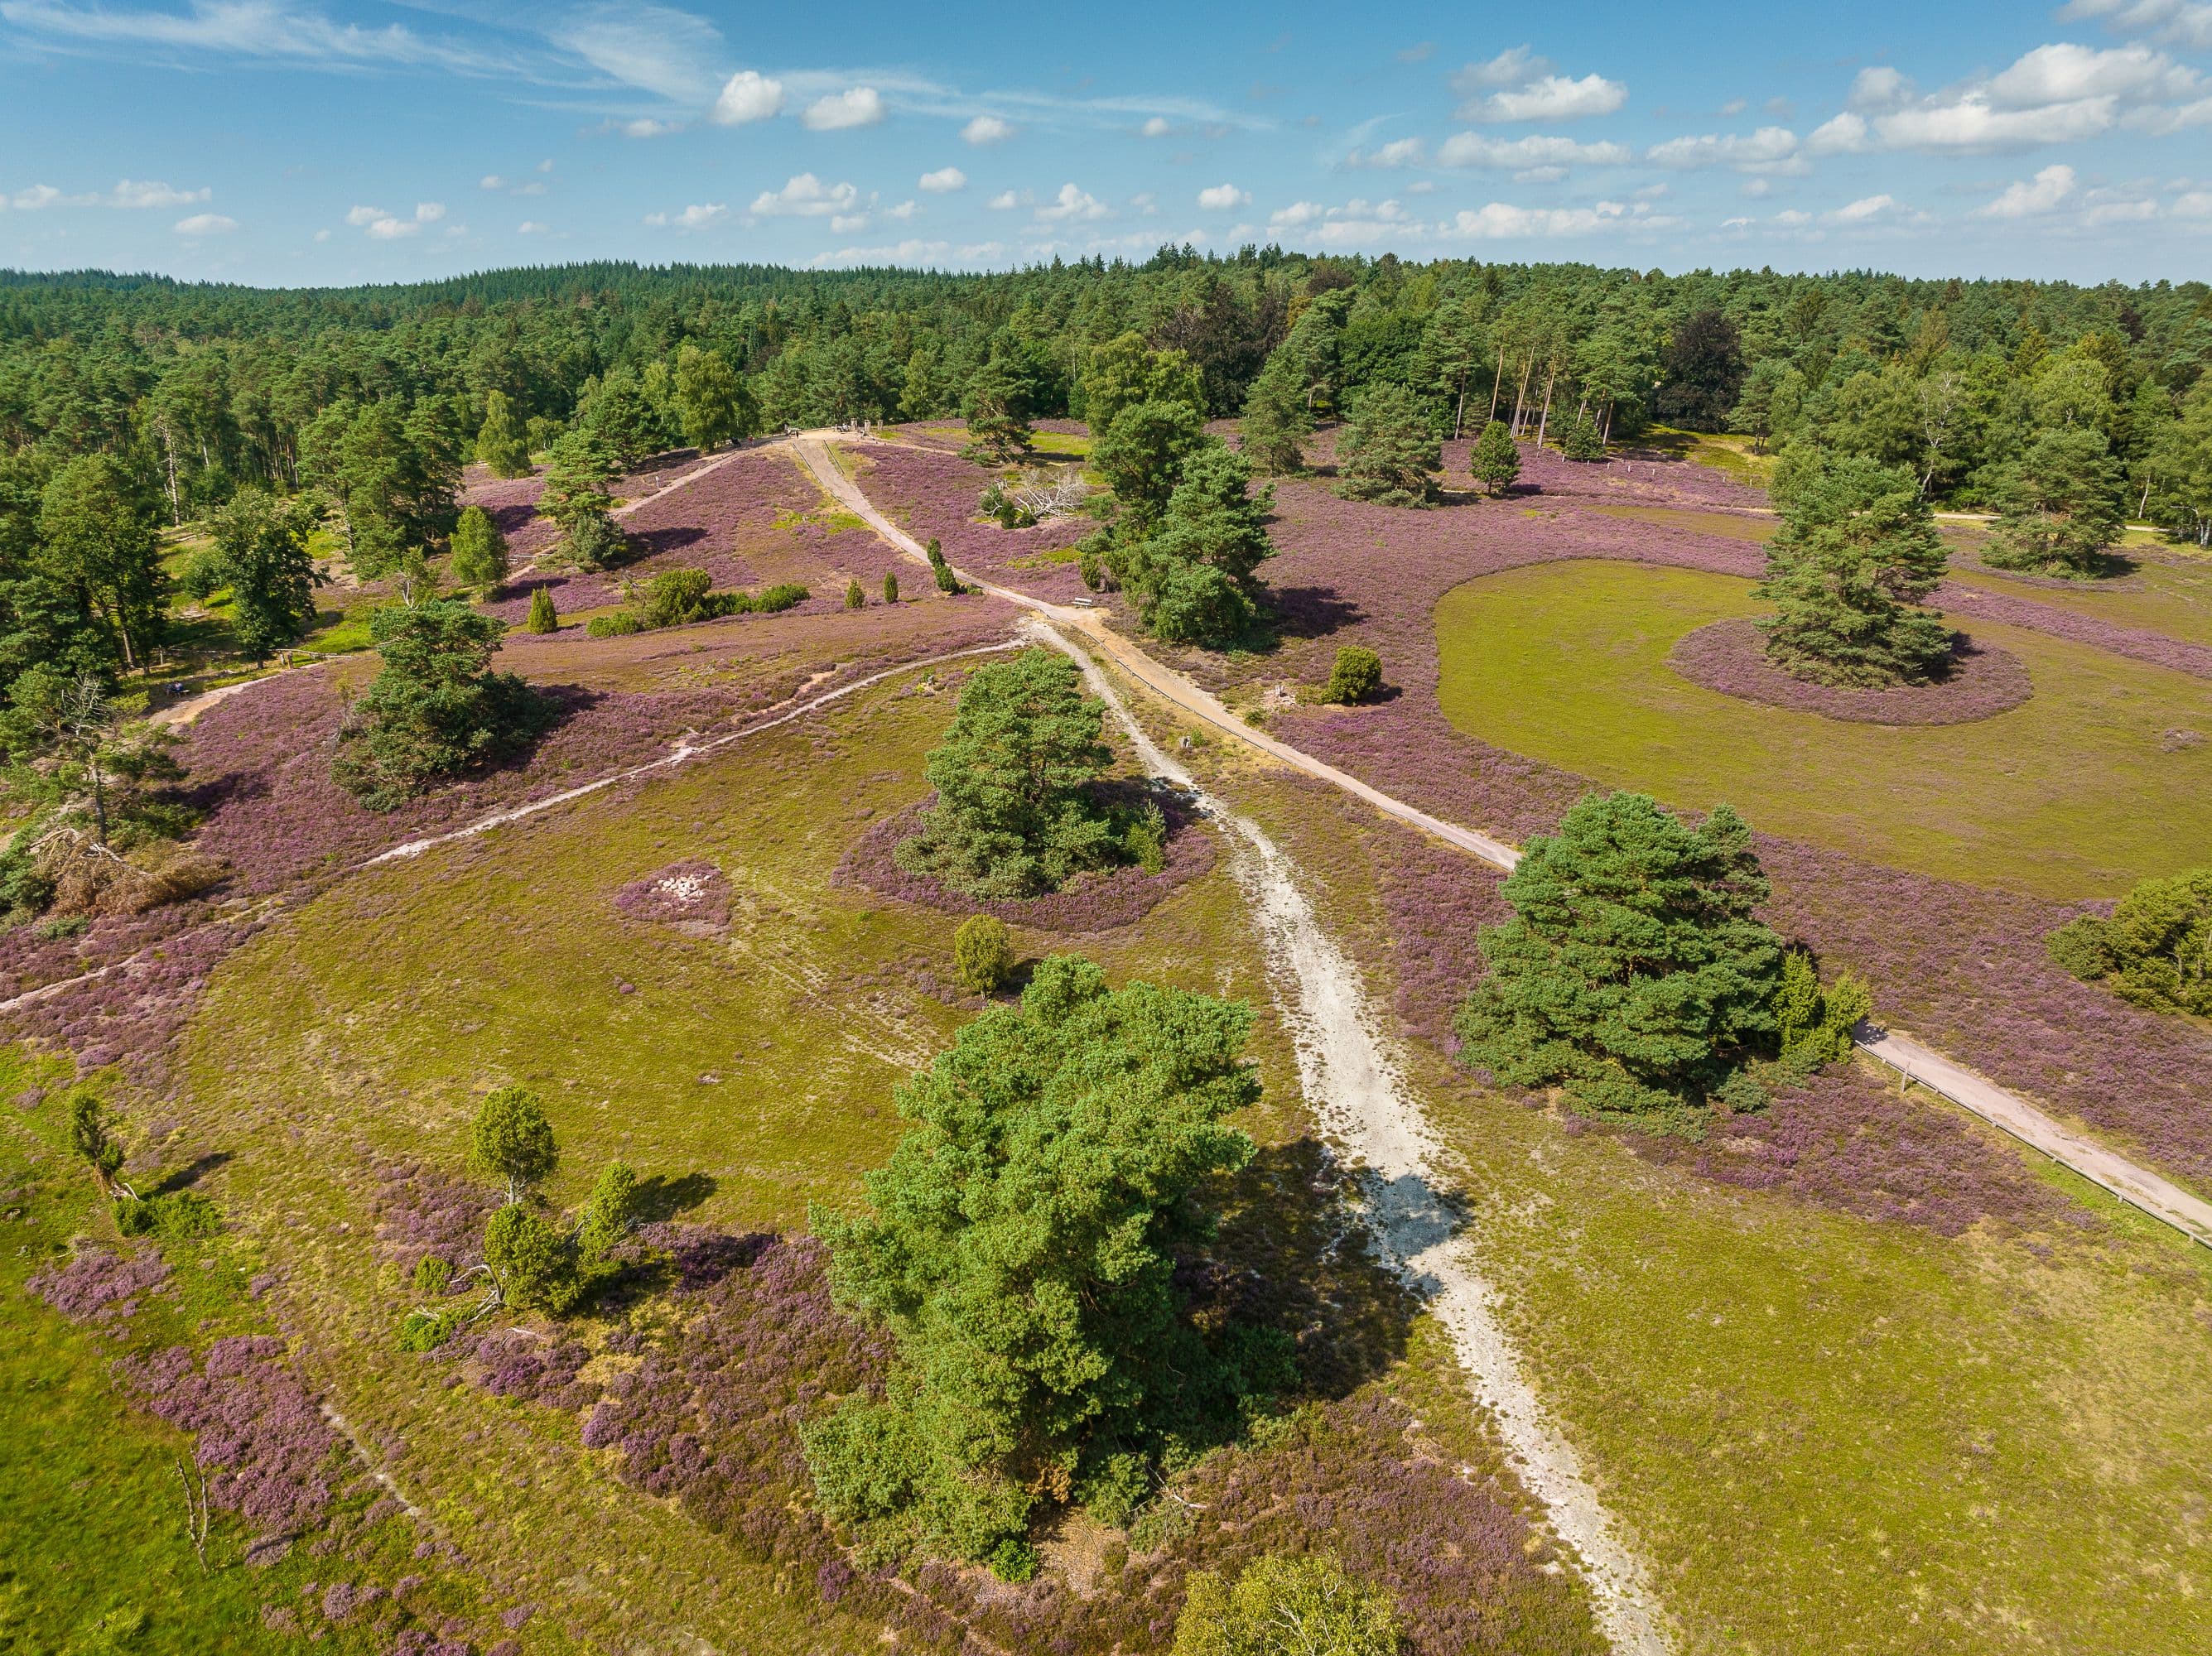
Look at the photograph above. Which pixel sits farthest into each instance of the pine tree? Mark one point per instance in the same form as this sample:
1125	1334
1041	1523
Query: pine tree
542	617
1581	442
511	1142
1387	451
854	597
1192	578
1634	971
998	412
1856	552
501	444
479	551
1015	814
1021	1251
1276	421
1141	457
1496	461
2060	504
890	586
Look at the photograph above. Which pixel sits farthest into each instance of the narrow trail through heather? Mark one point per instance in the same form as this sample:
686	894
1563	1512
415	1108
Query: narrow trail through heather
1355	1089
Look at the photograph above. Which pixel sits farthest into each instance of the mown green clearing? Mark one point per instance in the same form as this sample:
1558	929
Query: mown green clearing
754	1071
2072	794
1824	1433
2165	594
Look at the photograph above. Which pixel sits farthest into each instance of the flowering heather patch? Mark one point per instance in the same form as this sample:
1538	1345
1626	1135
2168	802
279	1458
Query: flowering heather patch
99	1285
1093	902
712	1420
1846	1141
424	1212
708	524
1731	657
935	494
1964	968
510	502
263	1443
514	1363
2136	643
1436	898
691	895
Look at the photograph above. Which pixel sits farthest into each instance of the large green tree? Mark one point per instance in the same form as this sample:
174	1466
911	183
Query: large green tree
501	444
1276	423
1015	813
580	470
100	544
1125	372
997	408
712	400
1141	457
1387	451
1856	553
1634	972
1192	577
435	709
2060	505
261	555
2155	950
1021	1250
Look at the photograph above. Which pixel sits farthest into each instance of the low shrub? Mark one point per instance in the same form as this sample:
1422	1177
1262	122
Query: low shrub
542	617
2155	951
982	954
1355	676
675	597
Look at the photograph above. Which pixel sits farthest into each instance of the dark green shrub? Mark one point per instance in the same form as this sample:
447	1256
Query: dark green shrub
982	954
890	586
854	597
1355	676
433	1276
1145	838
534	1264
1582	442
2155	951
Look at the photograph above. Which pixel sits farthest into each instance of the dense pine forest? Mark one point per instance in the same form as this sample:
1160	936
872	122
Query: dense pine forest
131	402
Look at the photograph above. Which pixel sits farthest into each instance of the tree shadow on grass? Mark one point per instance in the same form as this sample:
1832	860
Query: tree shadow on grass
661	1199
188	1175
1294	1254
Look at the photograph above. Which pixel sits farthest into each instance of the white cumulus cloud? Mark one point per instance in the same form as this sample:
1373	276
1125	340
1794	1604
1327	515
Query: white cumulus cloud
696	216
860	106
1071	205
206	224
1771	149
1222	198
987	129
1537	150
747	96
807	196
944	181
1549	98
2025	197
1156	126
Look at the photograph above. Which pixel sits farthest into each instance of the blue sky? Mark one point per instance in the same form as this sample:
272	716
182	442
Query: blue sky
306	141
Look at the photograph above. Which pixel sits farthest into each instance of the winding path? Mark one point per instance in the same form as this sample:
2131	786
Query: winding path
2137	1186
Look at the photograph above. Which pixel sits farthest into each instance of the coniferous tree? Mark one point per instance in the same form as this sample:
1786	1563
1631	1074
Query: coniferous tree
577	498
1021	1251
100	544
1192	577
1634	972
1495	463
479	551
890	586
511	1142
1387	451
854	597
542	617
435	709
1856	552
982	954
1581	440
997	408
1014	813
501	444
2060	505
1141	457
1276	421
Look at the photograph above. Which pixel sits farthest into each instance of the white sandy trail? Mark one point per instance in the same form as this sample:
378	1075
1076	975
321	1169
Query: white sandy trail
1356	1091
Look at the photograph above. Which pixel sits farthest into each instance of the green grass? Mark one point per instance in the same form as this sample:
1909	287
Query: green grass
1825	1433
1059	442
759	1065
2164	593
2070	795
93	1555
